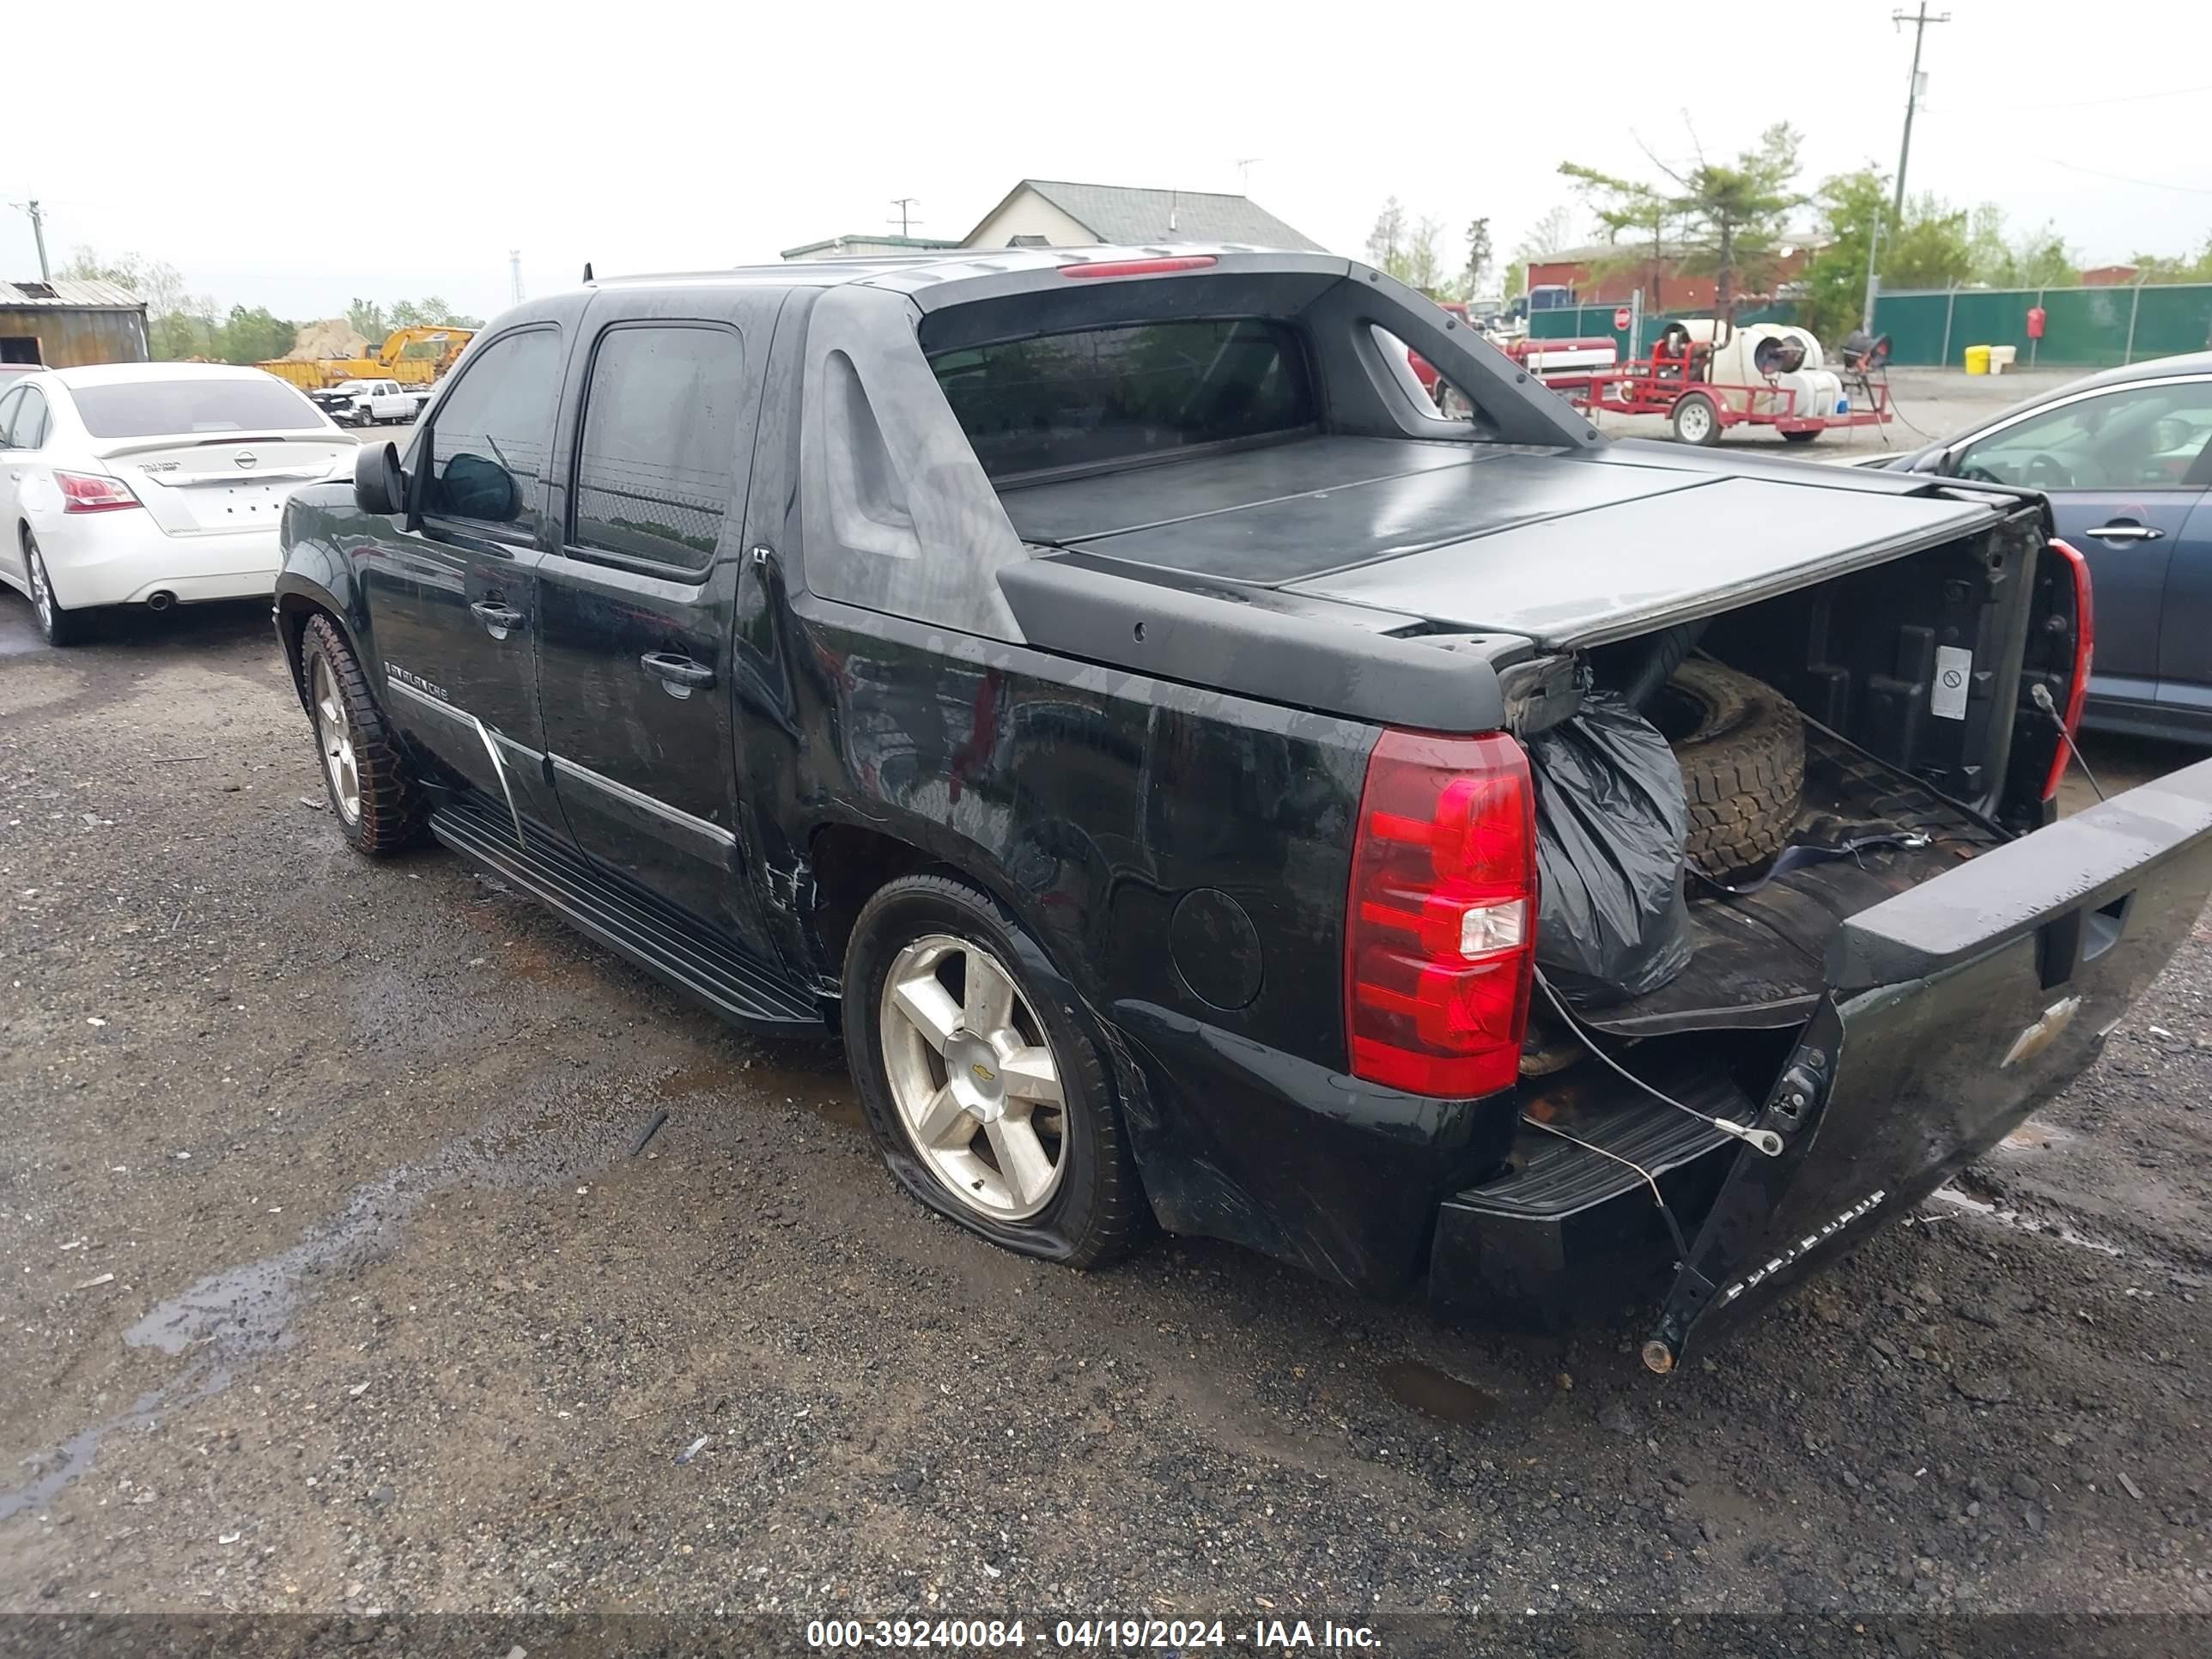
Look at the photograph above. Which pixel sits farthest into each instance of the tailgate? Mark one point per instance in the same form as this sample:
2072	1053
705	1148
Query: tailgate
1951	1011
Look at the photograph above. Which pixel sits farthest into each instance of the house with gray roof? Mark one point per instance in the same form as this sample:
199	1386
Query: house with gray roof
1053	213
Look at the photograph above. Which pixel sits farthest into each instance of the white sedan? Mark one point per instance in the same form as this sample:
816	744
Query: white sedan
151	484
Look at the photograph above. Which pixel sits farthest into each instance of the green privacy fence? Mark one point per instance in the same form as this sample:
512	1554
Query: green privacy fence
2083	327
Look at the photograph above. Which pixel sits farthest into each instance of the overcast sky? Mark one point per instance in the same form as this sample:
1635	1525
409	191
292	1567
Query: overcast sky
296	155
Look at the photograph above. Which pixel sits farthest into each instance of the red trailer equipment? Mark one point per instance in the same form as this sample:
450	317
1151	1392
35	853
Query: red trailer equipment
1676	380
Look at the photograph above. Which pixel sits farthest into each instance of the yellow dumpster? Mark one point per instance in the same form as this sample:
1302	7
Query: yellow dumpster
1978	360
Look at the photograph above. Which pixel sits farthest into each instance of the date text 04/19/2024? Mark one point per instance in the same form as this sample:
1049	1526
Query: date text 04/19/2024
1110	1635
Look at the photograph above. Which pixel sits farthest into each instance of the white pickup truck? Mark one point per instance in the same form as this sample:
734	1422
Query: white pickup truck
368	402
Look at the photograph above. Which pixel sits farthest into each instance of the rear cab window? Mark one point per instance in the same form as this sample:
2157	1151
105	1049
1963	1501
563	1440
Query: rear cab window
164	409
493	434
656	468
1095	396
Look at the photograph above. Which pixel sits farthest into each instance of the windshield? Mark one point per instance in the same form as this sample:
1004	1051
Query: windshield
159	408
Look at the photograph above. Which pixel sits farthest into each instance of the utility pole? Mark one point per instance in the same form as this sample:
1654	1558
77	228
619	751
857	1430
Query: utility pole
38	236
515	273
1244	164
905	204
1920	21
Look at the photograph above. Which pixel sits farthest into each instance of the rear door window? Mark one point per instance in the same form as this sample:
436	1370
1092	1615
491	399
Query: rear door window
493	433
10	402
657	468
1111	394
214	406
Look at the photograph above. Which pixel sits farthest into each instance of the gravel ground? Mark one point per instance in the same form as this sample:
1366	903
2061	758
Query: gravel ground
329	1283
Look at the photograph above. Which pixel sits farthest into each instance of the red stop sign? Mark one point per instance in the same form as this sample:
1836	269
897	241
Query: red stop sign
1621	318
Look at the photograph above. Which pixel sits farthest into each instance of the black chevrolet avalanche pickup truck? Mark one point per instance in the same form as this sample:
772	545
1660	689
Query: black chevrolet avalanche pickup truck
1101	687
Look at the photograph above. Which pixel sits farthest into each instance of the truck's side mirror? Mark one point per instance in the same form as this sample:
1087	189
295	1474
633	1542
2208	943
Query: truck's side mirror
379	486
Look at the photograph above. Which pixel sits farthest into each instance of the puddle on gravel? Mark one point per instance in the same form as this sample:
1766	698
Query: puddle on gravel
240	1312
1428	1390
74	1455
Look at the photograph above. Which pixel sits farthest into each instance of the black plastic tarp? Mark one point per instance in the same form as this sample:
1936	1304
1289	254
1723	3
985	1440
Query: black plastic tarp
1611	824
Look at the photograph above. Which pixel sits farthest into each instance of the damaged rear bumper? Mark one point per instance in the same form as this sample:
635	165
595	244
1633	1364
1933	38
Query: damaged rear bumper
1948	1012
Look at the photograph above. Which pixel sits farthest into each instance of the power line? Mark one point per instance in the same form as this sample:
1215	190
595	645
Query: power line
2123	179
2067	103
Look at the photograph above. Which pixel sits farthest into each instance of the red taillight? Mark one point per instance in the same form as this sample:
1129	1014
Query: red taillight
2085	637
1440	926
1140	267
83	493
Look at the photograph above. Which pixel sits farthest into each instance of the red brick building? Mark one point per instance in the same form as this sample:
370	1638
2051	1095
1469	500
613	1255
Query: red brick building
1665	288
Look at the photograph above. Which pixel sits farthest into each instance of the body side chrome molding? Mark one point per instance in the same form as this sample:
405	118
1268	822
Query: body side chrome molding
645	803
484	735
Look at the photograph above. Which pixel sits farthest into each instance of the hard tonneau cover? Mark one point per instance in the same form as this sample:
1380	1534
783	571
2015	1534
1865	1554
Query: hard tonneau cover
1567	549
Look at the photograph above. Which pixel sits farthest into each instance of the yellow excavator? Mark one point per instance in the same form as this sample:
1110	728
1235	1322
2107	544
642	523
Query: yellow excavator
412	357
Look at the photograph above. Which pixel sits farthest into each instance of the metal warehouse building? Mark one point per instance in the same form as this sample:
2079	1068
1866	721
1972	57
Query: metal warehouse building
63	323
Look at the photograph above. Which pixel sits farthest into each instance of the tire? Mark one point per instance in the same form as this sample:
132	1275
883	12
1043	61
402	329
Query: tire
1697	420
59	625
1800	437
928	930
383	808
1740	744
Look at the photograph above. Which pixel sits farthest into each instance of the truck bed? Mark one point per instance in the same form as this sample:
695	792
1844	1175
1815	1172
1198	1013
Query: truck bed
1569	548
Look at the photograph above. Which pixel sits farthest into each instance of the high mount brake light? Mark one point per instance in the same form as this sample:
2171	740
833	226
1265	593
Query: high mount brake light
1440	922
83	492
2085	636
1140	267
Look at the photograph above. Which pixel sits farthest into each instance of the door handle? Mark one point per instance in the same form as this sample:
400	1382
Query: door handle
2121	531
678	676
498	617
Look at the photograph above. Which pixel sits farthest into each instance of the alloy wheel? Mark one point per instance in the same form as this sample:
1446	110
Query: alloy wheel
42	597
974	1077
334	737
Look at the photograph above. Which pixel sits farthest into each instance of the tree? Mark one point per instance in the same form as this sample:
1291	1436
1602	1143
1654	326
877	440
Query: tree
1386	243
2042	259
1932	248
1549	237
252	337
1635	212
1852	204
365	319
2038	259
178	324
431	312
1478	256
2170	267
1989	258
159	285
1732	215
1424	260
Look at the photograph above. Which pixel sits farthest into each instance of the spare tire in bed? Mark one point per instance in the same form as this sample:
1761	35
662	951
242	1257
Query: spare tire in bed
1740	744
